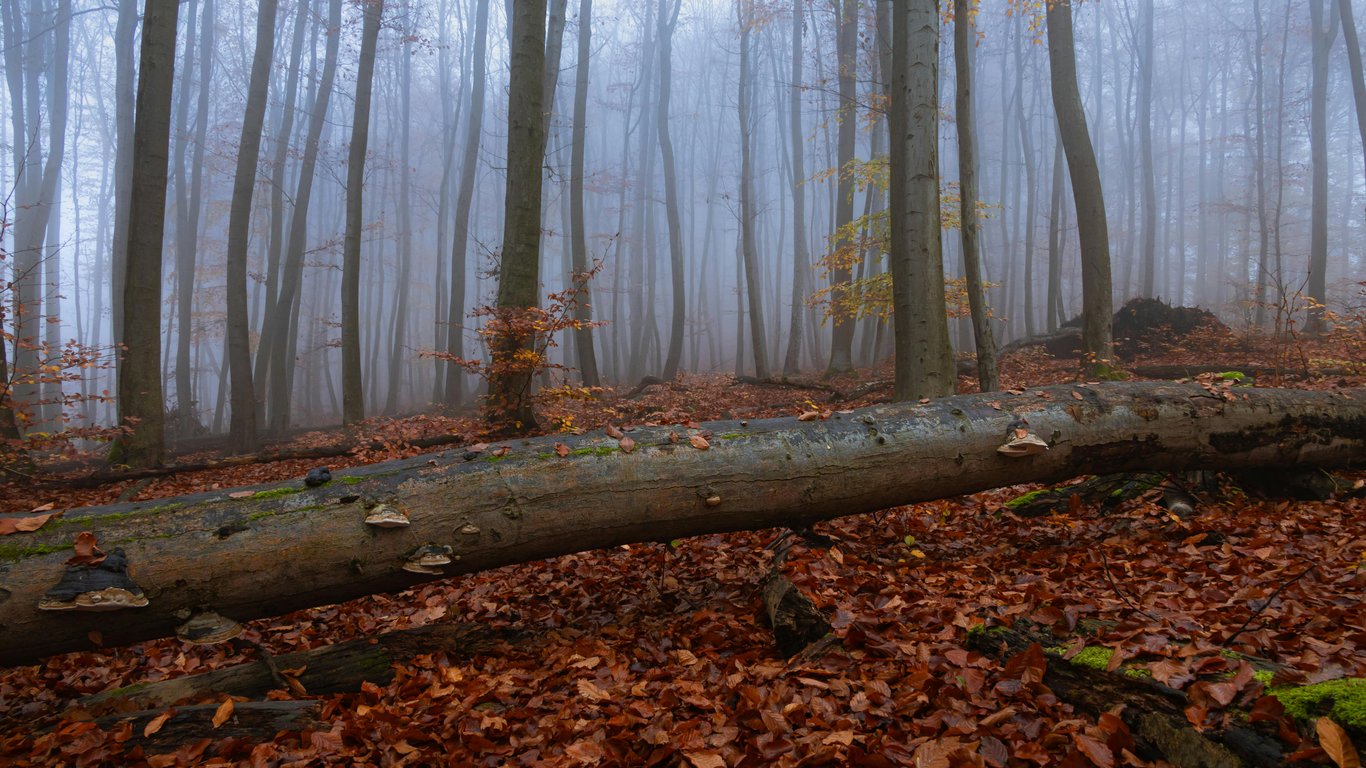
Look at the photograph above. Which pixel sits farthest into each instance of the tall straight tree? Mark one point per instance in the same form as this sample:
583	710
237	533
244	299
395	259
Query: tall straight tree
1146	52
1087	194
276	331
125	96
668	21
583	305
242	427
964	42
509	404
353	393
1349	39
924	360
1322	42
139	390
748	248
846	54
800	259
464	201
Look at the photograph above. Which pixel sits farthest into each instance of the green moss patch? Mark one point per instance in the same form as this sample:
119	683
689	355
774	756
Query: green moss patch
276	493
1342	700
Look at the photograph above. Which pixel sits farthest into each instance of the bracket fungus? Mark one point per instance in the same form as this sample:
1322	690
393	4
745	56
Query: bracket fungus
102	586
385	516
208	628
1021	442
428	559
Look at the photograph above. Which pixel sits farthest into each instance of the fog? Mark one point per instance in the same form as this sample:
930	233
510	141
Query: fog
1230	119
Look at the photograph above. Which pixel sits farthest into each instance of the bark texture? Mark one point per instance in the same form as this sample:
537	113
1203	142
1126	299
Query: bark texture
287	547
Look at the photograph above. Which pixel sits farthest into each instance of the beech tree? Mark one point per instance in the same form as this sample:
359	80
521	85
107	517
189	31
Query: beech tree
140	392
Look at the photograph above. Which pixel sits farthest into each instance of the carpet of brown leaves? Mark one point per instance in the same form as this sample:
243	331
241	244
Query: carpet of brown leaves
658	655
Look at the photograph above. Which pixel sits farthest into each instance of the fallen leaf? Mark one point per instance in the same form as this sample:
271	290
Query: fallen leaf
705	759
501	450
96	638
673	437
1337	743
86	551
1077	395
223	712
155	723
561	450
627	444
10	525
613	432
809	416
241	494
591	691
479	447
999	716
1094	750
44	508
699	442
839	737
924	400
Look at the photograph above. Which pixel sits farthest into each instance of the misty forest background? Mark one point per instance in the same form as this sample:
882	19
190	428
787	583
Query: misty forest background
1202	117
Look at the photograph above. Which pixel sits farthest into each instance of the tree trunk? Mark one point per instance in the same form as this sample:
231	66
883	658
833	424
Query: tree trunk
964	41
139	391
125	29
748	248
846	54
668	21
1146	52
510	404
800	258
288	547
464	201
1349	39
1316	289
1092	230
398	345
273	362
353	395
583	299
242	427
924	359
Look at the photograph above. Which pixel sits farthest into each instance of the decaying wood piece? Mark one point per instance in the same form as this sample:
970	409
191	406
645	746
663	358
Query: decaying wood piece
273	549
252	720
327	669
1154	713
795	620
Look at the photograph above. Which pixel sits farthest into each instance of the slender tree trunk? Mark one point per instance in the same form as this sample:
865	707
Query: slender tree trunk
668	21
399	342
924	359
842	328
125	29
283	138
1146	53
278	331
748	248
510	402
1317	287
464	202
583	304
1263	228
353	395
140	397
242	426
800	259
964	41
1349	39
1087	194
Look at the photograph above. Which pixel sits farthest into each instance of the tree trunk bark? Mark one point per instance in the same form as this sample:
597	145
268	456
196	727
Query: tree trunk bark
514	355
1092	229
924	359
800	259
964	41
668	20
139	391
242	436
288	547
353	395
1316	289
583	299
846	54
748	248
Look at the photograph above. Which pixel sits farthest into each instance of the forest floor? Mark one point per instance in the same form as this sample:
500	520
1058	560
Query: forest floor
660	655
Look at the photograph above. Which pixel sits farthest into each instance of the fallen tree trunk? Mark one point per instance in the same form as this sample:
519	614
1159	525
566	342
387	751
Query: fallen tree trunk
287	547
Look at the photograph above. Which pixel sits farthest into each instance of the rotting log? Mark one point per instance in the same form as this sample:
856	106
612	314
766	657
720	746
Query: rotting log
286	547
327	669
253	720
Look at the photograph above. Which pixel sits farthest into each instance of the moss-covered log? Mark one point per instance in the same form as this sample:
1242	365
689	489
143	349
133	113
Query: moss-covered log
275	549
